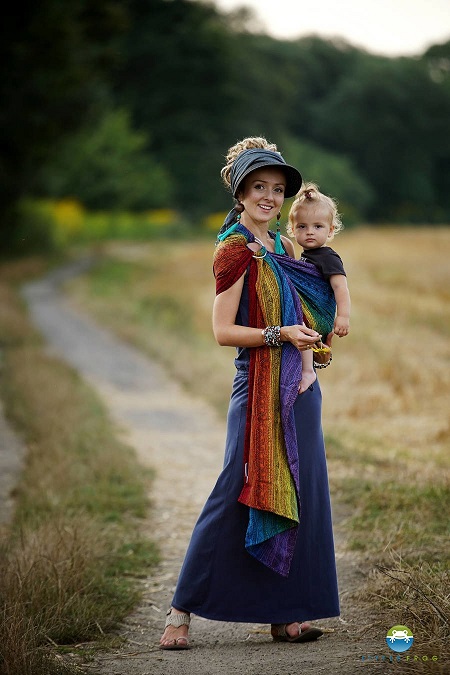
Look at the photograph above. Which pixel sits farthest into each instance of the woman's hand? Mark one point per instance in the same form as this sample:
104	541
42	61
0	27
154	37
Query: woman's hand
301	337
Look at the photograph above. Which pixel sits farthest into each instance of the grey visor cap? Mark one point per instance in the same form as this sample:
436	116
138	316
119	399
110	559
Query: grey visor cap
258	158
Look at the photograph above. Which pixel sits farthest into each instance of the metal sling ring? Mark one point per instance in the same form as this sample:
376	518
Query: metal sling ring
260	257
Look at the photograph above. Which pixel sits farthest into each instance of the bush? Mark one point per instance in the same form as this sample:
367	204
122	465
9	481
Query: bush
47	225
36	229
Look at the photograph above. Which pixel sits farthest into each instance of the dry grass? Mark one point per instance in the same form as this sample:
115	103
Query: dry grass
416	595
69	560
391	379
386	395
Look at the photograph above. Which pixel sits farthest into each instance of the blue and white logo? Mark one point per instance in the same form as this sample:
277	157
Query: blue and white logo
399	638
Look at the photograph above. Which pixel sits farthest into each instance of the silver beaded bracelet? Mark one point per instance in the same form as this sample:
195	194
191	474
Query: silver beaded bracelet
272	336
323	365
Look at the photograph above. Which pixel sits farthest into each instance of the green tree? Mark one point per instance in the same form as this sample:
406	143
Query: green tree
437	60
176	80
318	67
393	120
336	176
105	165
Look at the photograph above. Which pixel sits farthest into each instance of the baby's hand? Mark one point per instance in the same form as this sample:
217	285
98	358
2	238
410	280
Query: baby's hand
341	326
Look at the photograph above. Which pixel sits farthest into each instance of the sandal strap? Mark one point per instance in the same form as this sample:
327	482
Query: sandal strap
177	620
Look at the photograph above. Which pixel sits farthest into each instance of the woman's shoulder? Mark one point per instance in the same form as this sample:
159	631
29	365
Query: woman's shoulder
288	246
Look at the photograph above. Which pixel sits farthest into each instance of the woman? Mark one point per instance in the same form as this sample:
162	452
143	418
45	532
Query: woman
262	550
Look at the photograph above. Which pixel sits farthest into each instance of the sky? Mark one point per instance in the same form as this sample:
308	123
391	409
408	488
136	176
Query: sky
388	27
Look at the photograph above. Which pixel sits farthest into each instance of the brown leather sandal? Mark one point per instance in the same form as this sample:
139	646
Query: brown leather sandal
309	633
177	620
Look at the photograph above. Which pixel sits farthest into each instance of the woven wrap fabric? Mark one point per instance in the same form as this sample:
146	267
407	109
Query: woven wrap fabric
282	291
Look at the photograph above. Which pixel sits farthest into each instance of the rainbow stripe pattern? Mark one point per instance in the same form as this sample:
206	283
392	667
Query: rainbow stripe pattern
282	291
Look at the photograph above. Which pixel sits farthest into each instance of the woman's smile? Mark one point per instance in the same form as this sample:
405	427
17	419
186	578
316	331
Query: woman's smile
266	208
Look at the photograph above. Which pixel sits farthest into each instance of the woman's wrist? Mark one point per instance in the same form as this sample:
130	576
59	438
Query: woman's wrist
284	334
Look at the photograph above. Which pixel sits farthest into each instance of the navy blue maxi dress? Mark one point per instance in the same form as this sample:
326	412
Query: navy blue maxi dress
219	579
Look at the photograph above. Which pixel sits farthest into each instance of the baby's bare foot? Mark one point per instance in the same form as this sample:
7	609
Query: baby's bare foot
308	378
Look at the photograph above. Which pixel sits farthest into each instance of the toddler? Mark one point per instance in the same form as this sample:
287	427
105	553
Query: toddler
313	221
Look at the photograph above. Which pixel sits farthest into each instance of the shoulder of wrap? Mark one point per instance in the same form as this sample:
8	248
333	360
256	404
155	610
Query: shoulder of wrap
231	259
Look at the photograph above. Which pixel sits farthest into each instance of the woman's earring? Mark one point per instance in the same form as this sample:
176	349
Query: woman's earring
278	245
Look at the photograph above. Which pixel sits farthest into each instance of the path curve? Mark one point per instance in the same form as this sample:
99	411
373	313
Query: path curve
182	439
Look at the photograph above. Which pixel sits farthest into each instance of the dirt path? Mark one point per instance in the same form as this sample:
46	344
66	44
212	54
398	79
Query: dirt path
12	452
183	439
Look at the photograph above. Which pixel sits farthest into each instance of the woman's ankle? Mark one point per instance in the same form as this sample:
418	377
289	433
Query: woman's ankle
180	611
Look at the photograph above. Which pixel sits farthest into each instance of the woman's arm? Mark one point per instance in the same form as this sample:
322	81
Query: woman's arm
229	334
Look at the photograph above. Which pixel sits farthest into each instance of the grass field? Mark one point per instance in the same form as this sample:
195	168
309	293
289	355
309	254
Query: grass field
386	396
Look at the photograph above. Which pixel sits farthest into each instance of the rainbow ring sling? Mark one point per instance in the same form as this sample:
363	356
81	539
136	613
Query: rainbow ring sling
282	291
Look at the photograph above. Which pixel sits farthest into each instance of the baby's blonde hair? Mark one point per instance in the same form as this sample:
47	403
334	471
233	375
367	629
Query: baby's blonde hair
307	195
235	150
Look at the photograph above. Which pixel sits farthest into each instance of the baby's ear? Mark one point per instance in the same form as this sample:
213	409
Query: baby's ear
331	233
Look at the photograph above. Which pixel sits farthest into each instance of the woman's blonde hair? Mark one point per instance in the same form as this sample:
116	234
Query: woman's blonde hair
240	146
307	195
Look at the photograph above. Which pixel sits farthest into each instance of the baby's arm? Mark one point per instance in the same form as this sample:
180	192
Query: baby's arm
342	321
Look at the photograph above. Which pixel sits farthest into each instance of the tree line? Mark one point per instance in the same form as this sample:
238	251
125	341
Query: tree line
132	104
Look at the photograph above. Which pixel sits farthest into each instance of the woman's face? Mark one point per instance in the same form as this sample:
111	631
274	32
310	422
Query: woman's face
263	195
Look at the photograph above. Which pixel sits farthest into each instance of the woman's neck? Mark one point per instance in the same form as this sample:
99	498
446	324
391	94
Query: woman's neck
259	230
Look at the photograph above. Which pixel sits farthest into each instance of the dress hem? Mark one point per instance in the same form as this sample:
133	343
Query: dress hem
253	619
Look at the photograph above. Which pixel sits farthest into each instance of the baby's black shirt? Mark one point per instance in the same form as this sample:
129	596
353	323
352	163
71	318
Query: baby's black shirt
327	260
